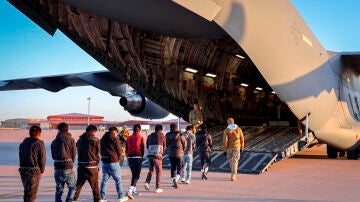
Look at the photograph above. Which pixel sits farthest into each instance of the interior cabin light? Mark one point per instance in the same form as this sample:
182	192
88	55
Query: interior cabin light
244	84
273	92
239	56
210	75
191	70
258	88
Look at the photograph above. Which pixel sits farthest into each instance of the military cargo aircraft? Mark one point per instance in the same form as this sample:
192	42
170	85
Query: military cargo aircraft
253	60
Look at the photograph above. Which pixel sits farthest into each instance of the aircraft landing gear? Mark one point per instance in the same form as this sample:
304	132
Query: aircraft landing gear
331	152
352	154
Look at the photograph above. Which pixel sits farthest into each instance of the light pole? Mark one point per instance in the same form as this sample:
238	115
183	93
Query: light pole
89	98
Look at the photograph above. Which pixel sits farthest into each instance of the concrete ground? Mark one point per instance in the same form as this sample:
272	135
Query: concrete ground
295	179
308	177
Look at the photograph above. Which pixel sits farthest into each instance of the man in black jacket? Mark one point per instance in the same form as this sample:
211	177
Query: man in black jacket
32	156
176	145
110	156
155	145
88	147
204	146
63	151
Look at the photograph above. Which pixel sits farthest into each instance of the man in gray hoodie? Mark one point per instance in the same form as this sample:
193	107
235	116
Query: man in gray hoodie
63	151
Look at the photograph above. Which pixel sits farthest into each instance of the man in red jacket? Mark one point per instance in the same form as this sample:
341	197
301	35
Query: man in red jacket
135	148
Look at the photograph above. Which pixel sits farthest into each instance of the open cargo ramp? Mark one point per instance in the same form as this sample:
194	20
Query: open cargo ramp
263	147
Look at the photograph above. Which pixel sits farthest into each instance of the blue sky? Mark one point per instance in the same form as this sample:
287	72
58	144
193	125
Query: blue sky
28	51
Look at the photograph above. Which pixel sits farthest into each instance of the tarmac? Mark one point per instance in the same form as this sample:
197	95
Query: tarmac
309	176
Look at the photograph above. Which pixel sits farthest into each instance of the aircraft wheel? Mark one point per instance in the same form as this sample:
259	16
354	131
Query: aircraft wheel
352	154
331	152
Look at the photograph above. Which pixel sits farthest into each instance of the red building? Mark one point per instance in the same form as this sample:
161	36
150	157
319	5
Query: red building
76	121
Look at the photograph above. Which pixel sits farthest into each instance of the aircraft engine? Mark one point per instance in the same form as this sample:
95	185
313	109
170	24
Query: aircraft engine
139	106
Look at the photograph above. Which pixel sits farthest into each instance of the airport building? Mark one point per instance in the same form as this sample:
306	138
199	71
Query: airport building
18	123
76	121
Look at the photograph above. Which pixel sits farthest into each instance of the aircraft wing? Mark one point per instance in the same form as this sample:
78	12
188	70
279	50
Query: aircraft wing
103	80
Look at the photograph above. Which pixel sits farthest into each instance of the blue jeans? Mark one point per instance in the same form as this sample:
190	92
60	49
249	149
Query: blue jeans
188	161
62	177
111	170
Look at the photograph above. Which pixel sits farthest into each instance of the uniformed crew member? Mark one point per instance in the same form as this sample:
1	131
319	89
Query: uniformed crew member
196	117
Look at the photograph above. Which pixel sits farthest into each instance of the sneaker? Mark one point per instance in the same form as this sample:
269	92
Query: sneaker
158	190
123	199
136	193
175	184
204	176
187	182
103	200
146	185
130	195
183	180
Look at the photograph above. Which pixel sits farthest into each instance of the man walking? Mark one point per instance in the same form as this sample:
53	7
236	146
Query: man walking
135	148
32	157
88	147
204	145
63	152
176	145
110	156
188	154
155	145
233	144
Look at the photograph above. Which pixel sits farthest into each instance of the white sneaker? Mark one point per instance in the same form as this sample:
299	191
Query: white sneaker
158	190
123	199
146	185
182	180
187	182
130	194
103	200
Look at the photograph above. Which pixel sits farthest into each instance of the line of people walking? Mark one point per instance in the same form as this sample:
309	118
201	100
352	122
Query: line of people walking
90	150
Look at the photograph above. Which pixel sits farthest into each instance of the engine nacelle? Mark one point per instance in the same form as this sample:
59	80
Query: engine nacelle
139	106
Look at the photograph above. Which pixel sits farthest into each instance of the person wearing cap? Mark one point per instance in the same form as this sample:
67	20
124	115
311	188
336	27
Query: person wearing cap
204	145
32	157
233	144
110	156
196	117
88	147
63	152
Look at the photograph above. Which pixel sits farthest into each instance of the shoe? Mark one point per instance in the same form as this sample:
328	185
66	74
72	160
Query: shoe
233	178
175	184
130	195
124	198
158	190
103	200
187	182
146	185
204	176
136	193
183	180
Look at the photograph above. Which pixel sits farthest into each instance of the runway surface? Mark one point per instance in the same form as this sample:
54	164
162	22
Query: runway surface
309	178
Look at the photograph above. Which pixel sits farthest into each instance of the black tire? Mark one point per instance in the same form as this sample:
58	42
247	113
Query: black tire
352	154
331	152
